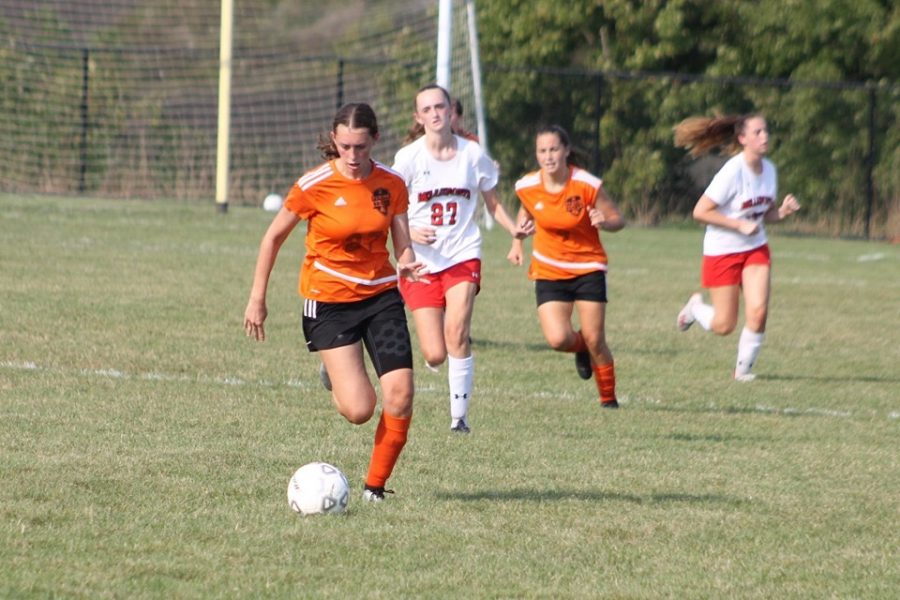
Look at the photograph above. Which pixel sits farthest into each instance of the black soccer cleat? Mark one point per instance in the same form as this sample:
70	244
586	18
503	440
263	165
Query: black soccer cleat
324	377
583	365
375	494
460	427
610	404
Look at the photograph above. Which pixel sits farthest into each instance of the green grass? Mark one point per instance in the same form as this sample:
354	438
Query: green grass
146	444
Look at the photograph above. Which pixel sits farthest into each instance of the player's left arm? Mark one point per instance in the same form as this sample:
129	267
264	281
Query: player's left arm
605	214
519	231
407	265
789	206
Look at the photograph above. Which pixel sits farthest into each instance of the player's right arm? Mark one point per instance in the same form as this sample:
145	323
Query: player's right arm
706	211
256	312
516	253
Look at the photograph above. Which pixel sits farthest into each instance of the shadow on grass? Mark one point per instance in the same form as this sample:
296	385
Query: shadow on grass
690	437
485	343
747	410
830	379
538	495
532	347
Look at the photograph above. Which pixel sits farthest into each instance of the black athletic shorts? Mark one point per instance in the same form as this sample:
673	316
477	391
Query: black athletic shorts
379	321
590	287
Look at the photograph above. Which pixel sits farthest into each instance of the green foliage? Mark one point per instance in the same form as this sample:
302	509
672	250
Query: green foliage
821	132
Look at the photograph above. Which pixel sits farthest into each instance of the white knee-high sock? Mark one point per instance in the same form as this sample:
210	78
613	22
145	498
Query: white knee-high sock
748	349
460	372
703	314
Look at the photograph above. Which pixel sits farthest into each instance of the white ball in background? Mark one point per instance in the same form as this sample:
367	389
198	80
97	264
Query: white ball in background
273	202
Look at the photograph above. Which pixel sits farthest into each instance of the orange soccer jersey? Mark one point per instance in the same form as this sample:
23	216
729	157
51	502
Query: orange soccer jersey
565	245
346	241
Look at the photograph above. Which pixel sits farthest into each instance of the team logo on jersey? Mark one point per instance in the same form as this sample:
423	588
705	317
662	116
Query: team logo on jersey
381	200
574	205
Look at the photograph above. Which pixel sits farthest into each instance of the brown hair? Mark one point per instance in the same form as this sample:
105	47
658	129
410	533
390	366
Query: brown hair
417	130
356	115
699	135
576	156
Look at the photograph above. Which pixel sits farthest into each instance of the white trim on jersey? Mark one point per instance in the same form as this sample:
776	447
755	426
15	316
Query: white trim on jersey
384	167
581	266
588	178
313	177
530	180
351	278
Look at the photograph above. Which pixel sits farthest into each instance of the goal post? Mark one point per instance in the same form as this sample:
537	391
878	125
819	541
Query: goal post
223	138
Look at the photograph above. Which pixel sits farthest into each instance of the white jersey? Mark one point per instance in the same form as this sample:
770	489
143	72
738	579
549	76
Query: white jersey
740	194
444	195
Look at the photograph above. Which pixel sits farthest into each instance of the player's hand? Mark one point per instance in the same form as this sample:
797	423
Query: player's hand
788	206
515	255
746	227
254	317
423	235
523	229
412	271
597	217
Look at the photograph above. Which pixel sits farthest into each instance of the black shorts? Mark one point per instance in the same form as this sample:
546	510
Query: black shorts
379	321
590	287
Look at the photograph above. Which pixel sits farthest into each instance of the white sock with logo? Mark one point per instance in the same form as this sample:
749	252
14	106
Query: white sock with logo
703	314
748	349
460	372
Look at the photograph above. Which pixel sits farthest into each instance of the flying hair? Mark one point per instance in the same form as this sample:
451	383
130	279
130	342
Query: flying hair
700	135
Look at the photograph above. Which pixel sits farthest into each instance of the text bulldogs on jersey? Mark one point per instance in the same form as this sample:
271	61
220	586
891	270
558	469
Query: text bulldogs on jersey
447	191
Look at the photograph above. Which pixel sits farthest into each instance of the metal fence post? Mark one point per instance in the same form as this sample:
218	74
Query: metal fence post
870	160
85	59
340	84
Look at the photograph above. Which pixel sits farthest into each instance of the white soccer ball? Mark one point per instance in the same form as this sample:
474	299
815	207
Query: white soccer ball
318	488
273	203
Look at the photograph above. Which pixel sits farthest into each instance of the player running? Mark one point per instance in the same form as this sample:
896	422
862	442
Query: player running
735	207
445	173
568	262
348	283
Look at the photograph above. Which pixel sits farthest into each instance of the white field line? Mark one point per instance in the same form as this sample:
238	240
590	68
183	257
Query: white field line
153	376
297	383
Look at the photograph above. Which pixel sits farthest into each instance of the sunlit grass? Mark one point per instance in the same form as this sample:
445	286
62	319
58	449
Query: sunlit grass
146	444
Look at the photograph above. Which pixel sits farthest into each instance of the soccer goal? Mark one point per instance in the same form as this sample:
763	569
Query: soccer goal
119	98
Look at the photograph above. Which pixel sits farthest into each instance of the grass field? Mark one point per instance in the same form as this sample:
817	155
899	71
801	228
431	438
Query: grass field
147	444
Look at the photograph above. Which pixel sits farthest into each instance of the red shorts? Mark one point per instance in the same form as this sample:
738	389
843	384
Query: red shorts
726	269
420	294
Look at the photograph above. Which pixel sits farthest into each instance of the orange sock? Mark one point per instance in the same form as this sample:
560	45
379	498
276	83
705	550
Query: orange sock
605	376
390	437
579	345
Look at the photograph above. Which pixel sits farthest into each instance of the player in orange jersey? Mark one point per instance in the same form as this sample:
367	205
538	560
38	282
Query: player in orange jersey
568	262
735	207
456	122
348	283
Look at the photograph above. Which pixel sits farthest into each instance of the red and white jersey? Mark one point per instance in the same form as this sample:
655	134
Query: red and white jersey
444	195
565	245
346	241
740	194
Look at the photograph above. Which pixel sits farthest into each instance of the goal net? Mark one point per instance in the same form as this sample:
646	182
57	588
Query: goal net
118	98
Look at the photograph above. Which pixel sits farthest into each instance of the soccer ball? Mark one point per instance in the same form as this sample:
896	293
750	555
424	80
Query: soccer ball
318	488
272	203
